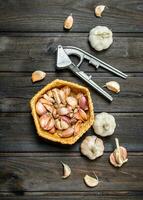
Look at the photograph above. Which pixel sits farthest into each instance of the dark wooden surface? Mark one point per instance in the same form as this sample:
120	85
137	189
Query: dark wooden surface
30	167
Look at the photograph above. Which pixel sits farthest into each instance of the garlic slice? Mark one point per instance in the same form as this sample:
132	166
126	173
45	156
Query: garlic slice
113	86
98	10
38	76
67	170
90	181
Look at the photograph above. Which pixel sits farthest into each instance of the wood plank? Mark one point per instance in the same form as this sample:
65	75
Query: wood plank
26	54
16	90
18	134
46	15
77	196
43	173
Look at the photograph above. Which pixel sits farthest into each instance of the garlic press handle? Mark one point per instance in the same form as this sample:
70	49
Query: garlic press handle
88	80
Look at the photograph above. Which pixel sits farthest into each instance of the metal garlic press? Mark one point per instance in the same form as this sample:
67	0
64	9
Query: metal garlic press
64	61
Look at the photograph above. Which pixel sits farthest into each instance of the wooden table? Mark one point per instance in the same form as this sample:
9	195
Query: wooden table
30	167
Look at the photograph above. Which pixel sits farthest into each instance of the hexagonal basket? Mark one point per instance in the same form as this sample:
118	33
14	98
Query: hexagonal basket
55	137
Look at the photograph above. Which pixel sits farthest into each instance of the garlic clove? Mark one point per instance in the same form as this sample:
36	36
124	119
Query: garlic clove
119	156
68	23
64	125
67	133
90	181
113	86
40	109
38	76
56	95
72	101
63	111
82	114
66	90
83	103
67	170
98	10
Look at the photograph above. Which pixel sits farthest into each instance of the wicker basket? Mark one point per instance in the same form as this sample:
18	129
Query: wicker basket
76	89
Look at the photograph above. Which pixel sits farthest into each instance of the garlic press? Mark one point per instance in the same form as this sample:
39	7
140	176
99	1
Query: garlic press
64	61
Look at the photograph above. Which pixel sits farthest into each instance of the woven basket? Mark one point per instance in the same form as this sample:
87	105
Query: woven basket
76	89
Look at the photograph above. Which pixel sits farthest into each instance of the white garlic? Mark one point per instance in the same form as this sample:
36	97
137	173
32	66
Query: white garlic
67	170
90	181
92	147
104	124
113	86
98	10
100	37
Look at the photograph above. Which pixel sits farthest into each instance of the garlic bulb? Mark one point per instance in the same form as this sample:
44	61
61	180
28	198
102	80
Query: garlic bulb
100	37
92	147
104	124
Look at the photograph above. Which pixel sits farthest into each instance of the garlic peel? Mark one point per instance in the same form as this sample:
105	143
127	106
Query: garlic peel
113	86
100	37
92	147
90	181
104	124
38	76
98	10
67	170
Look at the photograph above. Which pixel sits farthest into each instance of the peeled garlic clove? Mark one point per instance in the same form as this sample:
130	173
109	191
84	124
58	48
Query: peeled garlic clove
38	76
62	96
98	10
68	23
113	86
90	181
72	101
40	109
56	95
67	170
104	124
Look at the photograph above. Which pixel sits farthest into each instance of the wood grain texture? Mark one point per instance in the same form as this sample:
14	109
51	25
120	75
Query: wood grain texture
26	54
46	15
18	134
43	173
16	90
76	195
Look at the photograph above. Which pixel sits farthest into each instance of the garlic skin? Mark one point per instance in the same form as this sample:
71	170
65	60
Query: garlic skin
90	181
67	170
100	38
113	86
104	124
98	10
92	147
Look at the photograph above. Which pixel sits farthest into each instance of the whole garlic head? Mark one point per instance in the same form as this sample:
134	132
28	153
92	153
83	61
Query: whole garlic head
92	147
100	37
104	124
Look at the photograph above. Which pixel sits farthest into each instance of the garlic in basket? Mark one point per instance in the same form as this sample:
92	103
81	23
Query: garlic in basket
100	38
